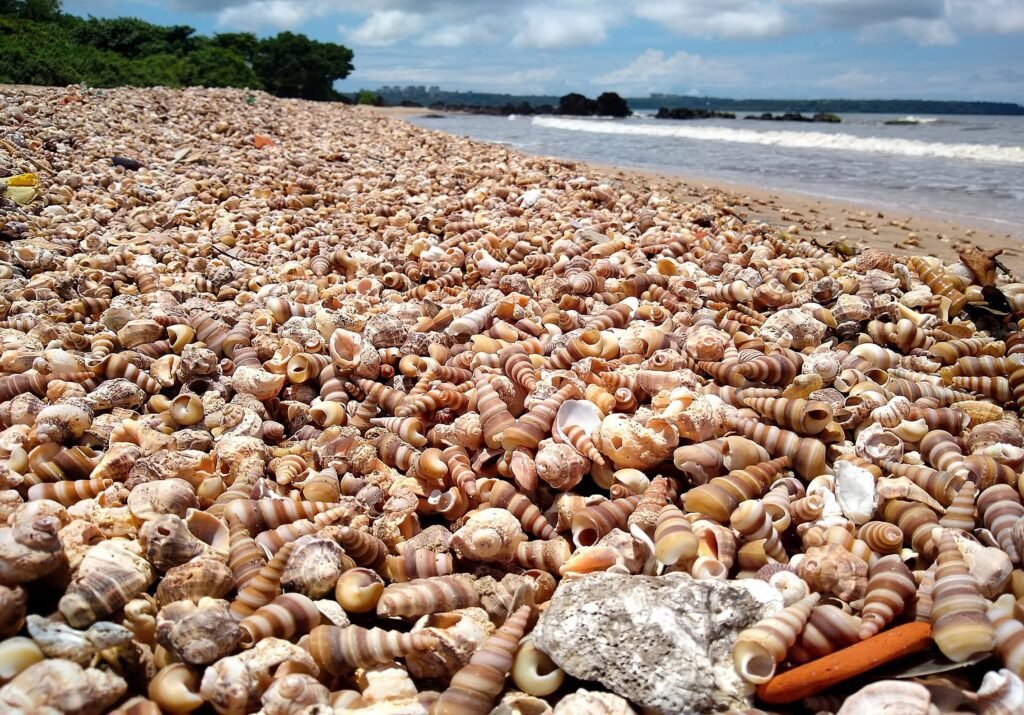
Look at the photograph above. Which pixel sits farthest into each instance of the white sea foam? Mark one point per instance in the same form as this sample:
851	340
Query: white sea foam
797	140
918	120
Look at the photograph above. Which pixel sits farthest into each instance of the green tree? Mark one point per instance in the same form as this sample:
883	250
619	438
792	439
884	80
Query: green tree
243	43
217	67
291	65
365	96
36	10
132	38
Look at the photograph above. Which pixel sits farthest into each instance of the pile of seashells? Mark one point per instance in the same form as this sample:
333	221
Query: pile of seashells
277	417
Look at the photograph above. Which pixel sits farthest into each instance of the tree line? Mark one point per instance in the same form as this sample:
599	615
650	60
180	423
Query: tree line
42	45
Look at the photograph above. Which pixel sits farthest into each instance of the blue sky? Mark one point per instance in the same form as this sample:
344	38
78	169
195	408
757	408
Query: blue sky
935	49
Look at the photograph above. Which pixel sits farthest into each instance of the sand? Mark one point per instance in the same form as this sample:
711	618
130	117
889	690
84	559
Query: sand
823	220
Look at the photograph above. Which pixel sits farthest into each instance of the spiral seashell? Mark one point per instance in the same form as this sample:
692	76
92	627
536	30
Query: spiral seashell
245	557
112	573
561	466
342	650
760	649
546	556
314	567
881	537
1001	693
285	617
264	587
753	524
504	496
68	493
960	624
535	425
891	589
494	415
807	454
258	515
477	685
593	522
489	535
803	416
365	549
1000	508
1009	633
167	542
358	590
575	424
960	514
827	630
916	522
425	596
273	540
199	632
417	564
674	540
719	498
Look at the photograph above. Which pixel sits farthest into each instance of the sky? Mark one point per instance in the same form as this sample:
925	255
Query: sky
930	49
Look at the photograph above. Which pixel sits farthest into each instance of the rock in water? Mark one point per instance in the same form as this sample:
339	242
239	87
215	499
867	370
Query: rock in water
663	642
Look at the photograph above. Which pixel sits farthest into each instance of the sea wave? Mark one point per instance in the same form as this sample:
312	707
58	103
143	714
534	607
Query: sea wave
798	140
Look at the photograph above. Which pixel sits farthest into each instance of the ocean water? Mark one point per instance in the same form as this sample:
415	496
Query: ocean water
966	168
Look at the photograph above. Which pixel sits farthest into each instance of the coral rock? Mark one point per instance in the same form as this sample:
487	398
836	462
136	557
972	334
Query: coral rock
630	633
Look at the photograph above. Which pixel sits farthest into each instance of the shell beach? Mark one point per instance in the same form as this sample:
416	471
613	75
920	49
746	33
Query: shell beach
307	410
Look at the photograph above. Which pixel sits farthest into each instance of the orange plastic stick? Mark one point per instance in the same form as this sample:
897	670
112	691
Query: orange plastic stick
811	678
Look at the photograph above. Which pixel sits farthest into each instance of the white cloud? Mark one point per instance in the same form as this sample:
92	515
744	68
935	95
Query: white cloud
654	71
547	27
852	79
1002	17
734	19
387	28
270	14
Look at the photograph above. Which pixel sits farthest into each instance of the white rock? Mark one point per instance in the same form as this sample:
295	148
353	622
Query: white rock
855	492
664	643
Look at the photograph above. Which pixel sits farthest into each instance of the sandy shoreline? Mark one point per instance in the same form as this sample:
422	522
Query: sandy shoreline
823	220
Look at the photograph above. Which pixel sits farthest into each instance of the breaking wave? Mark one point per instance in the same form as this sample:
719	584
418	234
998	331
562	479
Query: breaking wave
797	140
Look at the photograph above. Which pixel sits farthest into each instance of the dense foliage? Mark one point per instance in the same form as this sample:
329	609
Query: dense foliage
42	45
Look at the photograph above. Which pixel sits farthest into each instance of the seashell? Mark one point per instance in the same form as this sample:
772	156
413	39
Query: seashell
292	693
236	683
287	616
561	466
719	498
828	629
629	444
534	672
1000	508
806	417
855	491
888	696
205	576
167	542
890	591
314	567
760	649
476	686
489	535
833	569
960	626
425	596
167	496
58	685
341	650
111	574
504	496
358	590
1001	692
807	455
262	588
200	632
575	424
